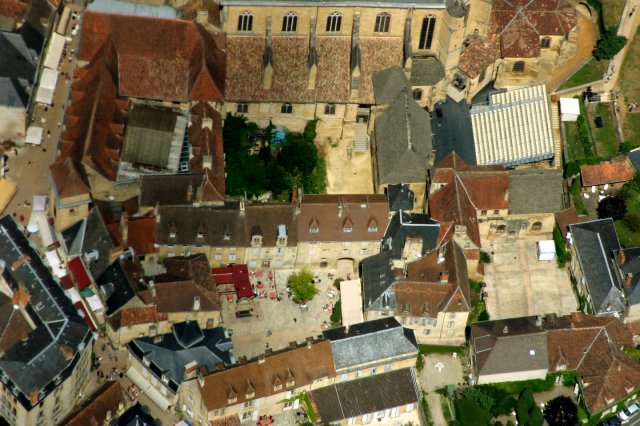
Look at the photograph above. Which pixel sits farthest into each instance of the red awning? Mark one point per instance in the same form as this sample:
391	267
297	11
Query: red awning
238	275
79	273
85	314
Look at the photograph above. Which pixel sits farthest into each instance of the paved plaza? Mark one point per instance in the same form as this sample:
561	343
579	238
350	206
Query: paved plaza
277	322
519	285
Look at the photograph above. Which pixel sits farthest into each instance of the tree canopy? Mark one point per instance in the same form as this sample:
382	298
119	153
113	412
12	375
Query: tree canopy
609	45
561	411
302	286
612	206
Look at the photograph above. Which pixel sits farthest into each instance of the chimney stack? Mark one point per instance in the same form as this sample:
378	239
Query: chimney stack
621	258
190	193
152	288
196	303
156	212
124	227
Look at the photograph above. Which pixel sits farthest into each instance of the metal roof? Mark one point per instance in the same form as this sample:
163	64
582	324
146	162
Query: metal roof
129	8
514	128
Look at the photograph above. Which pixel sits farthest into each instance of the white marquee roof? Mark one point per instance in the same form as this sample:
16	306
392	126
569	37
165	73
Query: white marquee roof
514	128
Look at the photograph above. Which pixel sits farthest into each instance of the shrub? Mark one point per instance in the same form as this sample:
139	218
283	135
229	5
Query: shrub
562	255
609	45
336	314
625	147
613	206
572	168
485	258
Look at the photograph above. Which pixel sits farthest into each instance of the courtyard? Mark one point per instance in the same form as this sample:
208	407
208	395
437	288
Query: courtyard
517	284
277	322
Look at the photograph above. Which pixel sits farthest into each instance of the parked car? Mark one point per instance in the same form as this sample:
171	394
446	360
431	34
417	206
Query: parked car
611	421
628	412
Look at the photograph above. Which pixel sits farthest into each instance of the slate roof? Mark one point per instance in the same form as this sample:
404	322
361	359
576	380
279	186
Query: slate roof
426	71
157	58
387	83
535	191
378	277
60	336
169	353
352	346
595	242
367	215
634	157
502	346
17	70
607	173
452	130
400	197
517	25
366	395
254	380
410	225
135	416
403	144
115	284
86	236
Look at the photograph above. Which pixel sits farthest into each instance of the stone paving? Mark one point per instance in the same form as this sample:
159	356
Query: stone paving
277	322
519	285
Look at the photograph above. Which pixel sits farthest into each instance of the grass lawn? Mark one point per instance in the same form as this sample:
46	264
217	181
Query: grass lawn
612	12
629	238
439	349
304	398
606	142
574	147
445	409
592	71
630	89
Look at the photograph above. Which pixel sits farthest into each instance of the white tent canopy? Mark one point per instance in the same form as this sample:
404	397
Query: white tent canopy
47	86
570	109
54	51
34	135
546	250
351	301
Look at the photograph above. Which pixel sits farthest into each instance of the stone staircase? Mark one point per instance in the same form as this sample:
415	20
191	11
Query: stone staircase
360	137
557	138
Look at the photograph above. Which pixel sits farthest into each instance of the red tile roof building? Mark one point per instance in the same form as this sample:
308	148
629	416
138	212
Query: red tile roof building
607	173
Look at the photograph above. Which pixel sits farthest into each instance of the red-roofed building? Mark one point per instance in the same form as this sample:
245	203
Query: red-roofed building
614	174
79	273
233	279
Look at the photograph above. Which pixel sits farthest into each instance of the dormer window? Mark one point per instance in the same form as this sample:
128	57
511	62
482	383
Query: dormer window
232	396
290	379
227	236
200	235
372	226
172	231
314	226
256	240
250	391
314	229
347	225
277	383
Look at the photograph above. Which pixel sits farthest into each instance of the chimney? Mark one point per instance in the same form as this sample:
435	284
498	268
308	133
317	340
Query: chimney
268	352
220	366
196	303
156	212
152	288
628	279
202	16
621	258
124	227
293	345
190	370
190	193
444	276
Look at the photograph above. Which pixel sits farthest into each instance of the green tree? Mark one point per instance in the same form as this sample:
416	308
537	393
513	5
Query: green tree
336	314
612	206
298	157
302	286
277	178
485	258
561	411
310	133
572	168
625	147
471	414
609	45
316	181
632	221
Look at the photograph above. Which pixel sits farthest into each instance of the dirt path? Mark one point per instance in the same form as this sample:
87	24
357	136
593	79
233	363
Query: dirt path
586	41
433	400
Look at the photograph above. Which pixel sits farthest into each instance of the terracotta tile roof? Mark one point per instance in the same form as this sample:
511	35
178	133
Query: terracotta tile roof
96	113
173	297
302	365
205	134
360	217
106	401
487	190
634	327
426	292
517	25
14	327
13	11
607	173
377	54
195	267
135	316
68	179
266	218
477	57
142	235
230	420
565	218
157	58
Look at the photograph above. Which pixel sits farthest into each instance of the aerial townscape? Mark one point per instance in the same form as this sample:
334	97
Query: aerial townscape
306	212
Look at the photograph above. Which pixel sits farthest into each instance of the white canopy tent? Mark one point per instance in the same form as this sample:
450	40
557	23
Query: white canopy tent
54	51
34	135
546	250
47	86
